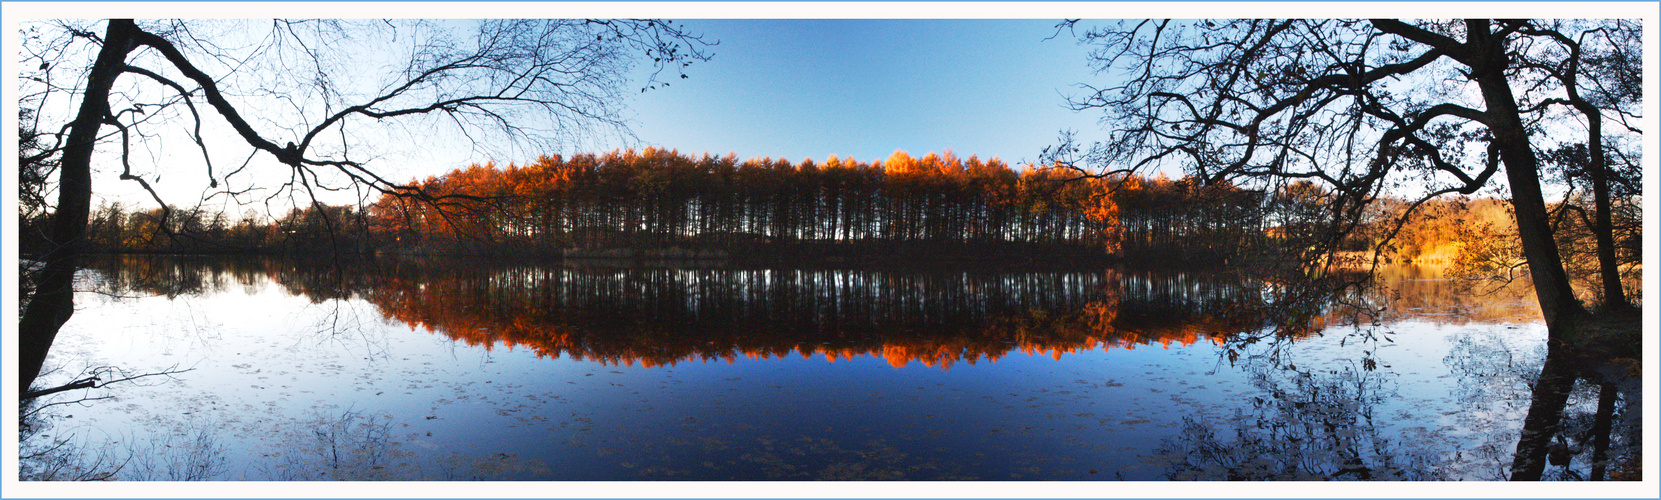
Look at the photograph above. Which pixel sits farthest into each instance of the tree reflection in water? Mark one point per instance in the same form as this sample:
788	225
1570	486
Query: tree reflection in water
663	316
1325	424
335	444
1310	425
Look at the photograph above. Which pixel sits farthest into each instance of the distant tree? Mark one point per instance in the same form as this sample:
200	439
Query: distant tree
658	197
297	94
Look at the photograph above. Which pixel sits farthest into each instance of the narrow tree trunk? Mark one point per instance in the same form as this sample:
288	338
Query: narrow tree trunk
53	301
1614	296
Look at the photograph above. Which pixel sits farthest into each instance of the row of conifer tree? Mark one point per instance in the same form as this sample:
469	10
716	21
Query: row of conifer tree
657	198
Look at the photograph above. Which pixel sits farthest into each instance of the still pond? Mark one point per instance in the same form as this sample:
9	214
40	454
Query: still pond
446	370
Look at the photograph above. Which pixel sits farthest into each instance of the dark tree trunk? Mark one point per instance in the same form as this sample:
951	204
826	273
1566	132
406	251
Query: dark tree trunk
1558	305
1614	297
1597	167
54	298
1522	170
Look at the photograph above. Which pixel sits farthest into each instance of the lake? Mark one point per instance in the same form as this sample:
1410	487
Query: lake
461	370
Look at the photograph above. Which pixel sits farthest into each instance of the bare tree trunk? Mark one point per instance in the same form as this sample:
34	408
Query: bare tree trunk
53	301
1558	305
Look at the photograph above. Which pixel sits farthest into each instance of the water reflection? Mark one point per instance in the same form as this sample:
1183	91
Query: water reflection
1425	294
526	371
665	316
1309	426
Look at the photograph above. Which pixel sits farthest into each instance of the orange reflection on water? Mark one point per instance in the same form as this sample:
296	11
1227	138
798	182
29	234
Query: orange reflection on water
663	317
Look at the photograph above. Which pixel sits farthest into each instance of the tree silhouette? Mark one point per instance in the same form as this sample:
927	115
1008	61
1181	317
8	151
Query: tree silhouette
1365	108
1317	100
535	80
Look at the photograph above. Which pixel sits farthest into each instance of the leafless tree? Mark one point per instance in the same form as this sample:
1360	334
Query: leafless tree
1361	106
319	97
1366	108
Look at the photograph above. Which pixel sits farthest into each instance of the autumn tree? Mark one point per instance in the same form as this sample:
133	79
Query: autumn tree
306	94
657	197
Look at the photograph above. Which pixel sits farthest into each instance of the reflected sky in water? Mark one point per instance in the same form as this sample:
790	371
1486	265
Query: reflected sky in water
591	373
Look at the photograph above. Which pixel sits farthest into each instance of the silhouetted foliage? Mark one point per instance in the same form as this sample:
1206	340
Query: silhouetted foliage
1374	109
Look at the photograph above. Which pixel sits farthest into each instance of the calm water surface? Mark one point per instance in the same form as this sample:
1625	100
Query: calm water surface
445	370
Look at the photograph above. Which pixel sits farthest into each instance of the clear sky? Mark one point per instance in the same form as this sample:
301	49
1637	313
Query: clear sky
865	88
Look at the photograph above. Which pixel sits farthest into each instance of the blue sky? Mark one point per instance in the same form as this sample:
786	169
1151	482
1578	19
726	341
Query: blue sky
787	88
865	88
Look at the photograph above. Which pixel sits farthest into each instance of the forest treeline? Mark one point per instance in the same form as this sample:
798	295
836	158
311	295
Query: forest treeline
668	204
683	205
657	198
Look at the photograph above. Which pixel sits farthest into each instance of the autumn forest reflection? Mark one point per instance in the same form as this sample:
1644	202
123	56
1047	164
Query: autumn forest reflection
662	316
588	370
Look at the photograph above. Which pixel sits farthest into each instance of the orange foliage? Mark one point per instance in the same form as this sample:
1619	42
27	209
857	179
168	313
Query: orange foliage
575	315
658	197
